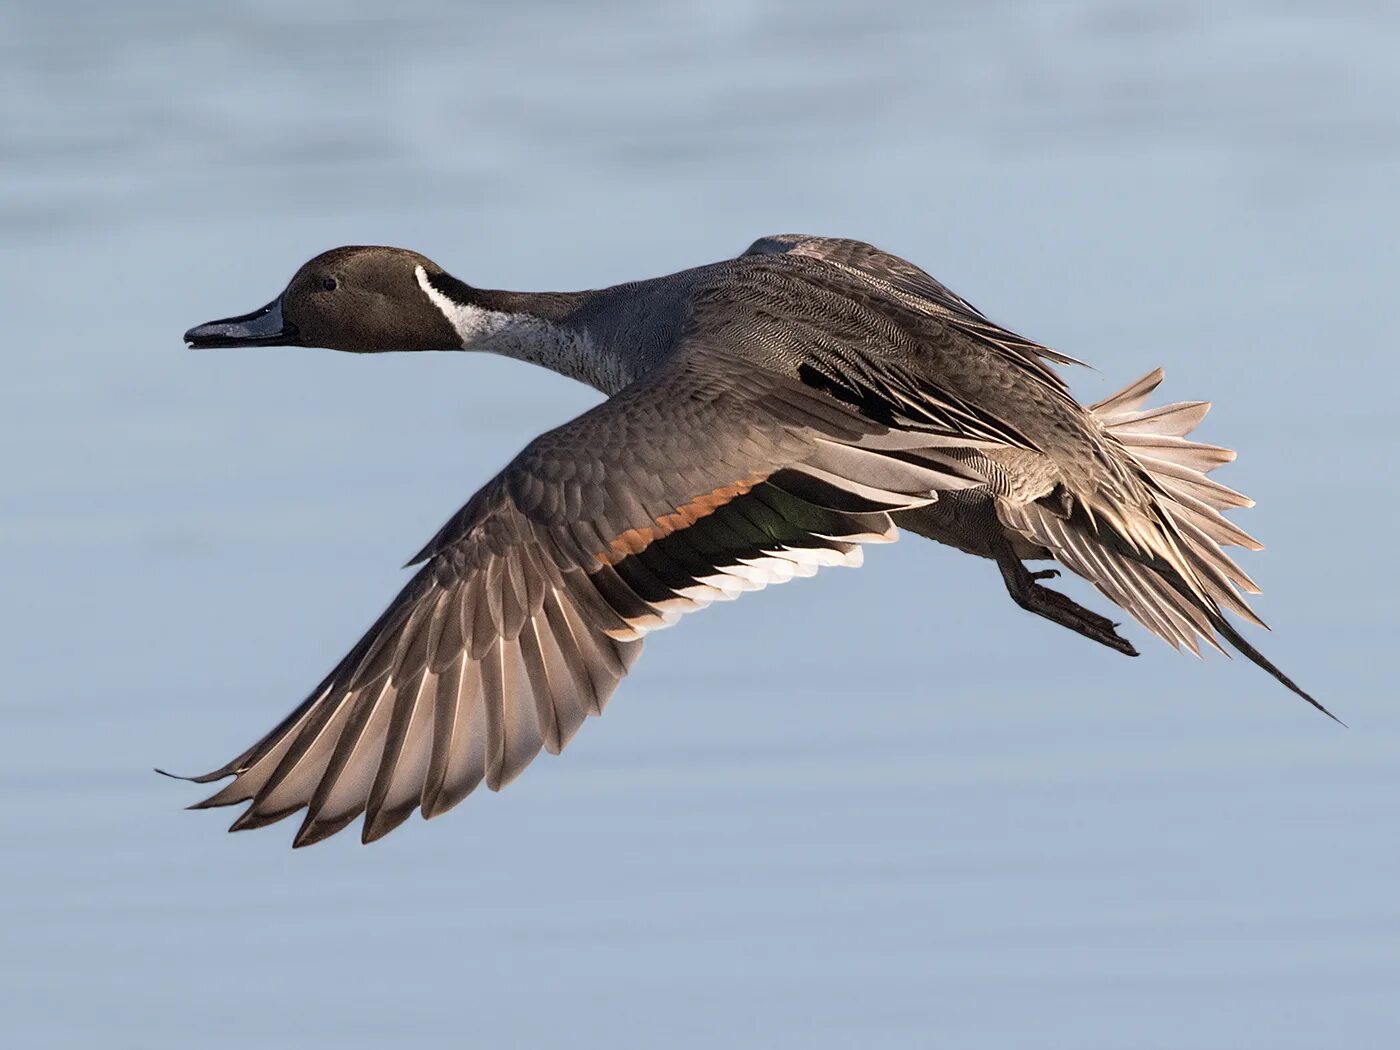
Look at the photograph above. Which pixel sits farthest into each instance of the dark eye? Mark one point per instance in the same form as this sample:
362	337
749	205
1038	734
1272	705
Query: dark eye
328	283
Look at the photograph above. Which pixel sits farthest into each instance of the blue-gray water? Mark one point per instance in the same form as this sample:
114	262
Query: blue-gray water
876	808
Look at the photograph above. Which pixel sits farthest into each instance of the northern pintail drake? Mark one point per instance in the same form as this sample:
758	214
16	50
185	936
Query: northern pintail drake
766	416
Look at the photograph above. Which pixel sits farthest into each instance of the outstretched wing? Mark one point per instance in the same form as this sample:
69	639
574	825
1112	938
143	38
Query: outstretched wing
704	479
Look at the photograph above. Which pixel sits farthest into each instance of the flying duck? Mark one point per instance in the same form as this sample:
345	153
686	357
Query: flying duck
766	415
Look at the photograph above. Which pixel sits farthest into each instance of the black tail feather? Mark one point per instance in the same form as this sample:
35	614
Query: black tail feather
1260	660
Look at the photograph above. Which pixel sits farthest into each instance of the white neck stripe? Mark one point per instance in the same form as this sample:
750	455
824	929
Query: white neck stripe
473	324
566	350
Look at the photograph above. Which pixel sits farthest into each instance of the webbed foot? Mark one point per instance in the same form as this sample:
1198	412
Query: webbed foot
1030	595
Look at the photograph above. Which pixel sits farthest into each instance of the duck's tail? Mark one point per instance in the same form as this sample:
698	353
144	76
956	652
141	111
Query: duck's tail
1166	568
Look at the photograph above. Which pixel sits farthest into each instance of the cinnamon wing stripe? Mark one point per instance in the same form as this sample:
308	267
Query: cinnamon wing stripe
634	541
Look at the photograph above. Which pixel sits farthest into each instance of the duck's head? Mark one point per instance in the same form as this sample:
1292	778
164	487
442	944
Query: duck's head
364	299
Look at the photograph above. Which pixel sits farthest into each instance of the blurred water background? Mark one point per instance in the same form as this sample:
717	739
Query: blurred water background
882	808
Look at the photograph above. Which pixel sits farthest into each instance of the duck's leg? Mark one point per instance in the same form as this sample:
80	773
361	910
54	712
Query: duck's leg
968	521
1026	592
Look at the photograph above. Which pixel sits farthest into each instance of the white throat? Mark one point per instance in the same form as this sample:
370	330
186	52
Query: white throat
566	350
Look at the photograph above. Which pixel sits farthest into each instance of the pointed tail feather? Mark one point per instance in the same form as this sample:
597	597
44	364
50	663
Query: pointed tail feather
1260	660
1180	582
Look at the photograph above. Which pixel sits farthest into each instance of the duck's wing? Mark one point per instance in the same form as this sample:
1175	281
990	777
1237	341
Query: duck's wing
702	480
907	281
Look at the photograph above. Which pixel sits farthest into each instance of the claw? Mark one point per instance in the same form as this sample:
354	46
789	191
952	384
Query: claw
1059	608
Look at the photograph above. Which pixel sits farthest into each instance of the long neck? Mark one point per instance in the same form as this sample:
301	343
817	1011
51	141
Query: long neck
539	327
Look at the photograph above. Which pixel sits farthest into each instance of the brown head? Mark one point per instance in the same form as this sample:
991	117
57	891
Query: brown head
363	299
